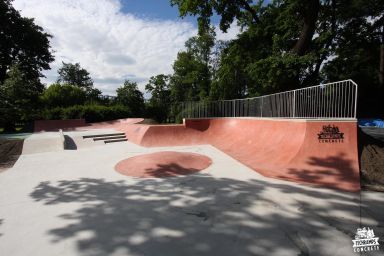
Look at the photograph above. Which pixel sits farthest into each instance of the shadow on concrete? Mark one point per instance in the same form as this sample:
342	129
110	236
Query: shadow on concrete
69	143
200	215
200	125
331	172
168	170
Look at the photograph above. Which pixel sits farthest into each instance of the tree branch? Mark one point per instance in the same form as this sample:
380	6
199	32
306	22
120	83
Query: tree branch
310	18
248	8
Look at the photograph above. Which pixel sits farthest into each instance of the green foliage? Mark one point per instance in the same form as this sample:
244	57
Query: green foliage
289	44
24	54
91	113
228	10
159	103
63	95
191	79
18	98
130	96
22	42
275	73
200	46
75	75
94	95
358	59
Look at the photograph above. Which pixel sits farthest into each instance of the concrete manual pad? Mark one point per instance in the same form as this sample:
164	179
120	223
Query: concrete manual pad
43	142
73	202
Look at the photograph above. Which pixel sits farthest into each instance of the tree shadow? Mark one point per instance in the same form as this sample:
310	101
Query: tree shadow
169	170
198	215
334	172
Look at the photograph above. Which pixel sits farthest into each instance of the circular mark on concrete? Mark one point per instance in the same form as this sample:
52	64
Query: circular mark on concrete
163	164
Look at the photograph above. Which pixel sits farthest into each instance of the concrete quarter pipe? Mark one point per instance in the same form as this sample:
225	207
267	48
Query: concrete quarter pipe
318	152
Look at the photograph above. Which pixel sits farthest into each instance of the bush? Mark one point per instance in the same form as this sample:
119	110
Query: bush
63	95
52	113
158	112
91	113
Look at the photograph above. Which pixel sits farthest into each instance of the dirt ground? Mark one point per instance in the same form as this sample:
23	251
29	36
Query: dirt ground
371	153
10	150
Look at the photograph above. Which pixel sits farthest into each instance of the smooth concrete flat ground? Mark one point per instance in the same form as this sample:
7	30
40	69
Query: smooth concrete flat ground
73	202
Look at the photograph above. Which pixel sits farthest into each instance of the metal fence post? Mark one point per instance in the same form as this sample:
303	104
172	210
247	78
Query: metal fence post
234	108
356	89
294	103
262	106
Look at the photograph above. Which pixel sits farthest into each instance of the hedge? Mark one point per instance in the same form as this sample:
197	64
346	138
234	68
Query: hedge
91	113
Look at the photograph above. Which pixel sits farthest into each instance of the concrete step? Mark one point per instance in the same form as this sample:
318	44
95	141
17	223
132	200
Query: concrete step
116	140
103	135
109	137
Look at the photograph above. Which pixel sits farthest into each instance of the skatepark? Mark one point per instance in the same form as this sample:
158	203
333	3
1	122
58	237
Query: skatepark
220	185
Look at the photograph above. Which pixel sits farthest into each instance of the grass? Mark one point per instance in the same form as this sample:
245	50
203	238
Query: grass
18	129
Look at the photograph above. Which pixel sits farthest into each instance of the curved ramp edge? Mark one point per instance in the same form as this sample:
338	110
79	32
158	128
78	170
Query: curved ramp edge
329	162
317	152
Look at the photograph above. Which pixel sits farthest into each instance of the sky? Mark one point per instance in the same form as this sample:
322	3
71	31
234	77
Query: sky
114	39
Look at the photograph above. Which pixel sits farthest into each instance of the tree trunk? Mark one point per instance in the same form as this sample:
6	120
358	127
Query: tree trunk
310	17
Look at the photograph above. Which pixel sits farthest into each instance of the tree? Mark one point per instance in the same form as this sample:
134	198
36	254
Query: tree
24	54
232	78
359	50
75	75
292	23
94	95
159	103
228	10
22	43
129	95
191	79
248	12
18	98
63	95
289	44
201	45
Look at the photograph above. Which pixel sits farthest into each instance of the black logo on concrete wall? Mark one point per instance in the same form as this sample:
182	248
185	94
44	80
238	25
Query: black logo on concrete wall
330	134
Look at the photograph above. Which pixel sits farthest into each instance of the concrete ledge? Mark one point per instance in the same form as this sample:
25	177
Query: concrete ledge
43	142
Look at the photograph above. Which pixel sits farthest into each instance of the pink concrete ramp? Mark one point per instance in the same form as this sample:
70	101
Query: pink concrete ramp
318	152
163	164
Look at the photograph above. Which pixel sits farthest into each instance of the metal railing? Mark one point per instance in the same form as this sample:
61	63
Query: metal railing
325	101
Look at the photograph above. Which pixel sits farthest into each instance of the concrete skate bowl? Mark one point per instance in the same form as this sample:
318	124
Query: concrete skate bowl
163	164
279	148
